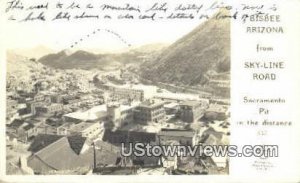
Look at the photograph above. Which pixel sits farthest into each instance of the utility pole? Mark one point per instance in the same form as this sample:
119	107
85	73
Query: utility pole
93	144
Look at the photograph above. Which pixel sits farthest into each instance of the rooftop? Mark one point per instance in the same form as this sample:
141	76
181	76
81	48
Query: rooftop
127	107
191	103
64	153
210	135
171	105
217	108
97	112
176	132
28	126
136	87
50	105
94	113
17	123
81	126
120	136
178	96
58	155
151	103
41	141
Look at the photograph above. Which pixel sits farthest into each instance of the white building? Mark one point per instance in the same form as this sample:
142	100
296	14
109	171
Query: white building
121	114
132	92
115	112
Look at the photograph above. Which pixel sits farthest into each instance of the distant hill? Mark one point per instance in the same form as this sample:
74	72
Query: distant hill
35	52
87	60
150	48
20	67
188	60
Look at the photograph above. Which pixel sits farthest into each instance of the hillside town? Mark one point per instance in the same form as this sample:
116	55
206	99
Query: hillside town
74	122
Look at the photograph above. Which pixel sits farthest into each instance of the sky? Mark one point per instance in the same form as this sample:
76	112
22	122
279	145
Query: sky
62	36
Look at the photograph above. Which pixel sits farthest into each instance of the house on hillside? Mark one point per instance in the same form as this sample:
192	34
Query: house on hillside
22	130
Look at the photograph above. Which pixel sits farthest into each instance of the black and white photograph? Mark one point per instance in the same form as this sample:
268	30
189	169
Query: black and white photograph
72	111
149	91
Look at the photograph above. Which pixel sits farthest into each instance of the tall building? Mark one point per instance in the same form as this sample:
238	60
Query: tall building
191	111
150	111
121	114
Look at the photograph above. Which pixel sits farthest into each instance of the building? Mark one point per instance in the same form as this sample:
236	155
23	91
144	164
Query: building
114	112
32	105
49	109
96	113
119	114
150	111
64	129
86	129
39	97
132	92
212	137
22	130
53	98
183	137
191	111
51	153
11	110
217	112
171	108
74	103
120	136
178	97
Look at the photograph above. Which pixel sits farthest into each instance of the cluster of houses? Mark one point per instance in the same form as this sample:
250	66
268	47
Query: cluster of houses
77	132
50	153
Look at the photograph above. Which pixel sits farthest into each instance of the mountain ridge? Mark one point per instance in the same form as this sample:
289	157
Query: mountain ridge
86	60
188	60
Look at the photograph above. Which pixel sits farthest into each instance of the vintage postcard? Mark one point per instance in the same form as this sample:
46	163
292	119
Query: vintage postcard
149	91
